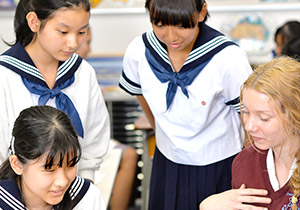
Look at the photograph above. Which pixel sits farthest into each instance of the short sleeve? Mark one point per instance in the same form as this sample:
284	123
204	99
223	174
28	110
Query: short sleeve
129	80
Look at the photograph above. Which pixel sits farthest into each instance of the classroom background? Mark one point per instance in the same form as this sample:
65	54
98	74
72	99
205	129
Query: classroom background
115	23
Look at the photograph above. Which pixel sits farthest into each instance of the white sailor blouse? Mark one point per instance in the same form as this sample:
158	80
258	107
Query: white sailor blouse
76	92
83	194
195	109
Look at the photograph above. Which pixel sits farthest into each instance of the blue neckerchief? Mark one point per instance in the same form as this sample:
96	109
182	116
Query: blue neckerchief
62	101
17	60
208	43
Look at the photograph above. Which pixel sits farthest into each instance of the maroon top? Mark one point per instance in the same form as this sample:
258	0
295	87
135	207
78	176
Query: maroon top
250	168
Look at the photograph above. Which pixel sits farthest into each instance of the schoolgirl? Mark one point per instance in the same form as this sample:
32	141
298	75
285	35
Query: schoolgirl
197	128
41	68
40	172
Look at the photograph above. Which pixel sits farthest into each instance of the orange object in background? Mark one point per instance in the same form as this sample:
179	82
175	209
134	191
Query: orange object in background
151	146
94	3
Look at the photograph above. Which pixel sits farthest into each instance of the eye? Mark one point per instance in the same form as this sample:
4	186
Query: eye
49	170
264	119
63	32
82	32
159	25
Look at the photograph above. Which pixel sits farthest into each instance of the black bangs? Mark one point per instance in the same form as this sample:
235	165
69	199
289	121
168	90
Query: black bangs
63	150
173	13
57	158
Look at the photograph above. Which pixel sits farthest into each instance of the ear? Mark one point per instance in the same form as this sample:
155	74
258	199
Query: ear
203	13
33	22
16	165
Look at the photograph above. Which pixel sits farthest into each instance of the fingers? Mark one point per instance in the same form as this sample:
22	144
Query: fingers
250	195
254	199
251	191
250	207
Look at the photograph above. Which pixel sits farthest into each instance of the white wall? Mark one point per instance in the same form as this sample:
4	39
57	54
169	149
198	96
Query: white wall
6	29
112	32
113	29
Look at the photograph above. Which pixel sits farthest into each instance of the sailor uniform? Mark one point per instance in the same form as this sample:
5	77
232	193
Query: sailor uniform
83	194
22	86
195	110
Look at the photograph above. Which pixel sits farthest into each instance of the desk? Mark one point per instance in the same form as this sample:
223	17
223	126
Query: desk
143	124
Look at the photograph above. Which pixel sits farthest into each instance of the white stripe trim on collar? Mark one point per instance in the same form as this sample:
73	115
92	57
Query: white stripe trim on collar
194	55
205	48
27	68
10	200
66	66
76	187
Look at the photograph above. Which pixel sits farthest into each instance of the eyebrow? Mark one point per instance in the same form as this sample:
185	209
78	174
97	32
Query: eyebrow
67	26
260	111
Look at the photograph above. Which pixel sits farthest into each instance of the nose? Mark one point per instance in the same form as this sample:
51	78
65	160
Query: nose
72	42
61	178
250	125
171	34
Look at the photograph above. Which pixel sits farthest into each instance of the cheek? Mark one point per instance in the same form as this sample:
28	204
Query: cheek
72	173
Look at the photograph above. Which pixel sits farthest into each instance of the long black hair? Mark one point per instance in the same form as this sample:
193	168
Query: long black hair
175	12
44	10
40	130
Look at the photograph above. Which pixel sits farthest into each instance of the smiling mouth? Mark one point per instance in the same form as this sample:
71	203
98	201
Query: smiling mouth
57	192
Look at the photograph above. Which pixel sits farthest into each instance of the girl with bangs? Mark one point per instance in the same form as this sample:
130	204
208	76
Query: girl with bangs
42	68
40	172
187	77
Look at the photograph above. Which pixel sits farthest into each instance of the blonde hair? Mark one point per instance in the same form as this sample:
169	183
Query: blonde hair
280	80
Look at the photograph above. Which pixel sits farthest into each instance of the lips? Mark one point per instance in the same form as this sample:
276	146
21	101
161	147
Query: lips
257	139
67	53
57	192
174	45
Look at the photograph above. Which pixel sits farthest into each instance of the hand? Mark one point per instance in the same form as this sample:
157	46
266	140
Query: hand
236	199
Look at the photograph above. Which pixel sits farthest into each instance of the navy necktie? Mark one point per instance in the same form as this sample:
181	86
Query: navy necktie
63	102
181	79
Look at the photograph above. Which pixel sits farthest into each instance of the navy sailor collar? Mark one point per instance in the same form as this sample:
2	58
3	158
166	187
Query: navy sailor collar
10	196
17	59
208	43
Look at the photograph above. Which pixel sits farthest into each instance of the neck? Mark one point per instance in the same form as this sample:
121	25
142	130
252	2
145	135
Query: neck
284	158
46	64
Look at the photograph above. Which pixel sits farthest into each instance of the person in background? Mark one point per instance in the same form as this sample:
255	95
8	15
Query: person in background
187	78
41	68
292	48
40	172
278	42
85	48
122	190
285	33
271	99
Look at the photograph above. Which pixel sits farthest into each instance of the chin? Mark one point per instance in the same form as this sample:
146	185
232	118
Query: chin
261	146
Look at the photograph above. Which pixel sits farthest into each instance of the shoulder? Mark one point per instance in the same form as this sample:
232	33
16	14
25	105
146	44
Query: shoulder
135	49
244	155
232	53
249	159
232	62
86	68
92	199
